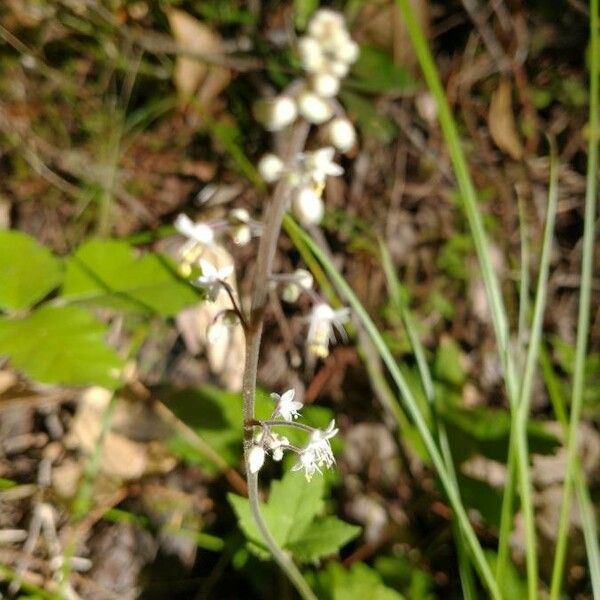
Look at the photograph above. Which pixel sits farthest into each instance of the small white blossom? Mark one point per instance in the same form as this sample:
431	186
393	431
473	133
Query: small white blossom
348	51
286	407
200	233
270	167
300	280
313	108
317	452
322	322
326	23
308	206
240	232
256	458
276	113
212	279
319	165
311	54
341	134
307	461
276	444
325	84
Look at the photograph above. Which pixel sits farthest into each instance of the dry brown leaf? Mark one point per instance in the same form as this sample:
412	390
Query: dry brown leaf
122	457
501	121
194	75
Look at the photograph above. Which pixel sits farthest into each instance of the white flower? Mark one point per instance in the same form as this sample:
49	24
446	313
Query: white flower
308	207
325	84
276	444
286	407
322	322
200	233
348	51
311	54
277	113
307	461
318	165
256	458
317	452
240	232
212	279
300	280
270	167
342	134
326	23
313	108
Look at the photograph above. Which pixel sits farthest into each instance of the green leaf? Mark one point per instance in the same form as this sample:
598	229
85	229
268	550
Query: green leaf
216	416
108	273
28	271
60	345
303	9
448	363
291	516
323	537
375	71
357	583
370	121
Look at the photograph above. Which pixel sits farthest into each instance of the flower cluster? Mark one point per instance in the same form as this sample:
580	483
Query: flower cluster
326	52
312	457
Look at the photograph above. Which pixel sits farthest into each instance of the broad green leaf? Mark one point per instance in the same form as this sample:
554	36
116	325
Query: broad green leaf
323	537
369	119
28	270
216	415
291	516
110	273
360	582
60	345
375	71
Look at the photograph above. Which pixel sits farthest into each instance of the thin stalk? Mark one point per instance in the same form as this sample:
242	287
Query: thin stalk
413	410
523	409
254	327
584	307
468	194
469	204
586	507
464	565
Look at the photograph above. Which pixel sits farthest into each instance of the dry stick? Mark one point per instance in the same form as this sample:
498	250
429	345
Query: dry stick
253	331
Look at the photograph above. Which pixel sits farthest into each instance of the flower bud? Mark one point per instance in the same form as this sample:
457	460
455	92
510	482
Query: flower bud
341	134
308	207
256	458
339	68
313	108
311	54
348	51
270	167
325	85
276	113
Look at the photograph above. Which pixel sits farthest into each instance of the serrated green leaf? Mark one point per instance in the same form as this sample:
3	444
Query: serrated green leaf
28	270
290	514
60	345
375	72
109	273
322	537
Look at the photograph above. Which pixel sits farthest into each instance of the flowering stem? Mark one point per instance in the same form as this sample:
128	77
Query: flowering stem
266	252
276	423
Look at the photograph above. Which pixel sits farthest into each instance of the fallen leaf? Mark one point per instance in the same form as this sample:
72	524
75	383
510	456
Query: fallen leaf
501	121
194	76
